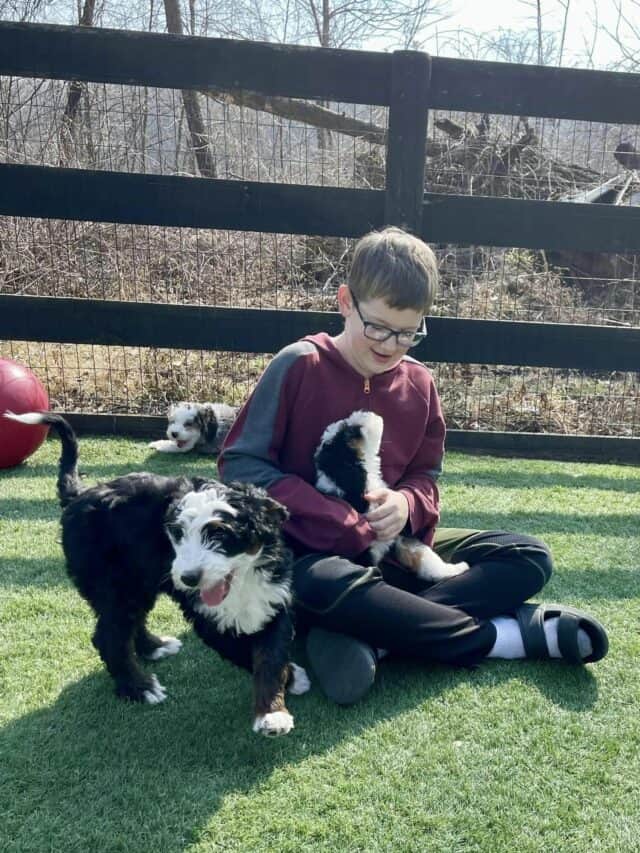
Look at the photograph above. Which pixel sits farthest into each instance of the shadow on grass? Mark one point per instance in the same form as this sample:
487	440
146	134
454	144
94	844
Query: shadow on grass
29	470
607	583
573	688
91	773
46	509
535	522
514	479
539	523
167	464
33	572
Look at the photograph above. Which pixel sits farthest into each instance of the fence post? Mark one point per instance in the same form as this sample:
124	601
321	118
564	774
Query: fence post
407	139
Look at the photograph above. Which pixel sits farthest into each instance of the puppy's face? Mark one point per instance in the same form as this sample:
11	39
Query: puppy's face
185	425
361	431
217	536
347	459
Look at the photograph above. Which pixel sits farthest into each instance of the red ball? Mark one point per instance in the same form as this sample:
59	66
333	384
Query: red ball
20	392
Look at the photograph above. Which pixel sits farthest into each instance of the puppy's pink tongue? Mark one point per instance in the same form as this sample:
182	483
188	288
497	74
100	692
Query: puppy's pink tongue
216	594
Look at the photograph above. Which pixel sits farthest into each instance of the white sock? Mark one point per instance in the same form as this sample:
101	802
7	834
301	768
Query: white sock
509	645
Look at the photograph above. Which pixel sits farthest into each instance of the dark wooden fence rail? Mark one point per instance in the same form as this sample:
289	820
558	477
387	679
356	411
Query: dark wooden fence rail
328	211
260	330
409	83
351	76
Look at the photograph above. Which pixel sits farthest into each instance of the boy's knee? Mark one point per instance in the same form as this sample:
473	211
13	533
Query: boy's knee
539	554
533	560
320	581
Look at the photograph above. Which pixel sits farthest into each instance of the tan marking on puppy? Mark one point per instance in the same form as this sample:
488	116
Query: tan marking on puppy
409	553
266	675
357	444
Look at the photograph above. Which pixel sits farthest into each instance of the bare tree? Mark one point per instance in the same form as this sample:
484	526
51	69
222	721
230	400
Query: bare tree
76	89
503	45
327	23
335	24
22	10
204	157
566	6
546	38
626	34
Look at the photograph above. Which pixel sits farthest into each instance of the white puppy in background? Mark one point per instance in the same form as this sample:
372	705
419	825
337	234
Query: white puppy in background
196	426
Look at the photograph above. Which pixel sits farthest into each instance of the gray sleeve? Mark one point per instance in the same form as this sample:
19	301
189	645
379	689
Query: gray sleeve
248	454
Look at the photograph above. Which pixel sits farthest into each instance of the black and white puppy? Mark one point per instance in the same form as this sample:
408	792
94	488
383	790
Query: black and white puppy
215	549
196	426
348	466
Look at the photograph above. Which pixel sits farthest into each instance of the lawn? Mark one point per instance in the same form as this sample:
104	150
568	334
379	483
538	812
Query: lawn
510	756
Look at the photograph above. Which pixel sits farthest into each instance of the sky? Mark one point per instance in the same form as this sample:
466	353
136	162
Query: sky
488	15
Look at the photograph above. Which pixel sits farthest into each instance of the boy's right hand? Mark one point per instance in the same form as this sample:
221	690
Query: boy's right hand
389	515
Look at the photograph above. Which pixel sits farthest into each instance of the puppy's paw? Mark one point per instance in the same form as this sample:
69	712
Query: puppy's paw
433	568
170	646
155	693
299	680
273	724
163	445
458	568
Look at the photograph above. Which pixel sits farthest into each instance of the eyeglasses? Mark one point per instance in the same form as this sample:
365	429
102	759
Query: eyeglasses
376	332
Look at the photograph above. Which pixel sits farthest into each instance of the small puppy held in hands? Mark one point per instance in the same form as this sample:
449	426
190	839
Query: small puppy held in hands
348	466
196	426
216	549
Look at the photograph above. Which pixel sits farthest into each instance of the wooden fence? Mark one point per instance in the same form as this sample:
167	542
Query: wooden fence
409	83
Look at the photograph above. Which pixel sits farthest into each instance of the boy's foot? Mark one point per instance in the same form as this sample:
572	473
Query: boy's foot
543	631
345	667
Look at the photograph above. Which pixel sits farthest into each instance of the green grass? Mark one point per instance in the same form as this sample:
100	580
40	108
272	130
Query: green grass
511	756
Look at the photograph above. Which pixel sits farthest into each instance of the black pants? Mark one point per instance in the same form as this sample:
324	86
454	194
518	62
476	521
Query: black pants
446	621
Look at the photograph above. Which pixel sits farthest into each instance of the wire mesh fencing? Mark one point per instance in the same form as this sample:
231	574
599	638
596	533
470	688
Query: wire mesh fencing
138	129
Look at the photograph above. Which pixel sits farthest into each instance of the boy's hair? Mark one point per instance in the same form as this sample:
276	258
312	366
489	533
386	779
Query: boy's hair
395	266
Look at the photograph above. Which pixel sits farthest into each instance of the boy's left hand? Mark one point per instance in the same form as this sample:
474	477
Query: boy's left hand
390	514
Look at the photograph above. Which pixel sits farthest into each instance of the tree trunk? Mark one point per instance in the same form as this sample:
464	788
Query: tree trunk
67	132
324	136
199	138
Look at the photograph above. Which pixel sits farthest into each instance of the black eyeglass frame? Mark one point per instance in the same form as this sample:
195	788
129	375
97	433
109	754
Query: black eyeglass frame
417	337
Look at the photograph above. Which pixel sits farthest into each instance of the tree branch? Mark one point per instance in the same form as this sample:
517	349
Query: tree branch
312	114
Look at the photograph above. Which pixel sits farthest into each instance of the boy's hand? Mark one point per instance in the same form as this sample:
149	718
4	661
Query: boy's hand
390	514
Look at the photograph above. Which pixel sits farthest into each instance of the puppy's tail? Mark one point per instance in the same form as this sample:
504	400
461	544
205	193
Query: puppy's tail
69	484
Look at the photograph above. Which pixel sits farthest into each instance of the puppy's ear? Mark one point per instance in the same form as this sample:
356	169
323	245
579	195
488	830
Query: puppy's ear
266	514
171	513
240	493
171	525
256	501
275	511
208	423
201	483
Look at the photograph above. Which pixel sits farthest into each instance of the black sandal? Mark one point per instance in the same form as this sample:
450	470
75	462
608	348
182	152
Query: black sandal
531	618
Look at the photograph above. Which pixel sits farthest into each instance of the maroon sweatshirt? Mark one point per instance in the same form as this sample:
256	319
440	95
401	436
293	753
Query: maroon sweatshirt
306	387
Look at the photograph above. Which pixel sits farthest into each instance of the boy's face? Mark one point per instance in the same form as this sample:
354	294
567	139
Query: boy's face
367	356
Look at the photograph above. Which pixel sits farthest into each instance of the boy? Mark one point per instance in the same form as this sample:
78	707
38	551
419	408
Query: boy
353	612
